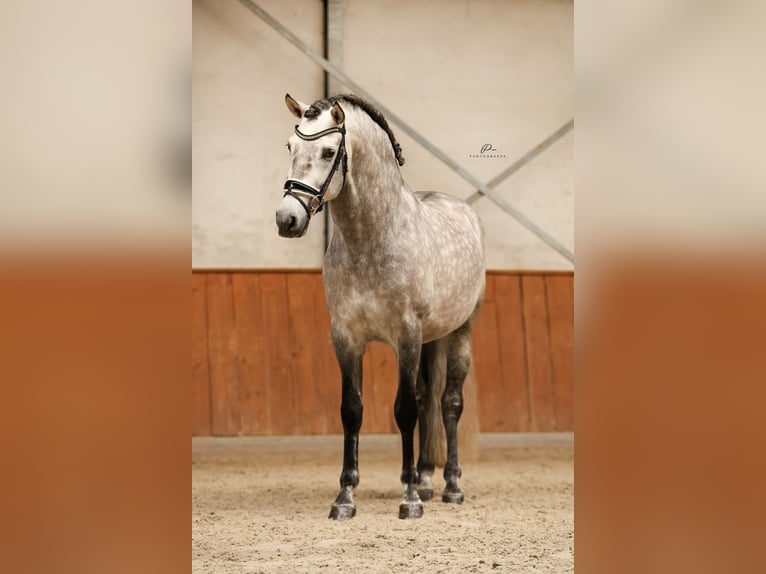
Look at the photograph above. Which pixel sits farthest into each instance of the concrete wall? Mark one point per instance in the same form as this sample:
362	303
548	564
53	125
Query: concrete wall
463	73
242	69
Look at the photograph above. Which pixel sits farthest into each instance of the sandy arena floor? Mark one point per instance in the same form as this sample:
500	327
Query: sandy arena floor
261	505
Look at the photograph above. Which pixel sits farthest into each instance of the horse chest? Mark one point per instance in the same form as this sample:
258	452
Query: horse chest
373	305
374	308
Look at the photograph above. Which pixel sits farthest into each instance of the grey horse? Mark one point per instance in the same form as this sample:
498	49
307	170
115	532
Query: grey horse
403	268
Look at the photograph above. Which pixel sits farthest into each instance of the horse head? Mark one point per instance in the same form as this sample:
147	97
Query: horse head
317	151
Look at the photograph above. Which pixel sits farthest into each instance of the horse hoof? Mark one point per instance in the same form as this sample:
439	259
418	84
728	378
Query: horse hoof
453	497
342	511
426	494
410	510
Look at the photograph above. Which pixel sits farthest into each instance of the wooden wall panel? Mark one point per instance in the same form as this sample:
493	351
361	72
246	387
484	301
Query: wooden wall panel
304	354
263	363
201	416
254	394
223	355
512	365
327	372
379	392
561	319
279	355
539	372
486	356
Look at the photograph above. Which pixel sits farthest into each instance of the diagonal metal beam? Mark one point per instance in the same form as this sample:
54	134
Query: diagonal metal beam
524	160
439	154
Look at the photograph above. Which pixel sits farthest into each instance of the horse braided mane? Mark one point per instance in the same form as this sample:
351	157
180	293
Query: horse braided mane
315	109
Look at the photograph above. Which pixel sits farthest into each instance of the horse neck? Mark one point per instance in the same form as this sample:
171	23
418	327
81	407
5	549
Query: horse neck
375	193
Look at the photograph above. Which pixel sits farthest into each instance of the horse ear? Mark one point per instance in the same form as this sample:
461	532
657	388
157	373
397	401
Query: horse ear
337	113
296	108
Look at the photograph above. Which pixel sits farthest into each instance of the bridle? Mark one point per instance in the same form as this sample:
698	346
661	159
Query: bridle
296	188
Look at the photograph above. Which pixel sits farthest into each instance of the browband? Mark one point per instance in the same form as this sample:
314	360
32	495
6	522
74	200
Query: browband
316	136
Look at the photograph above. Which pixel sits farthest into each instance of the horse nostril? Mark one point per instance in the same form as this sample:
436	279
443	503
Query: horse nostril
293	222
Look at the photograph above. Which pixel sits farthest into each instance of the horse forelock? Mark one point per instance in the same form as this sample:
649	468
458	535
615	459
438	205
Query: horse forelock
316	109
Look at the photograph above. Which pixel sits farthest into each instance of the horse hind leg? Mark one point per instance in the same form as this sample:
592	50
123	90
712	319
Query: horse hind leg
458	364
430	387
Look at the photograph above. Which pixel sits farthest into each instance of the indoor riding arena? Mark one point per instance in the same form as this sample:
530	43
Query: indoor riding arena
480	97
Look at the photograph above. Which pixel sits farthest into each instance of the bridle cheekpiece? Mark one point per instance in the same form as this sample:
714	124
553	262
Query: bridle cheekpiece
296	188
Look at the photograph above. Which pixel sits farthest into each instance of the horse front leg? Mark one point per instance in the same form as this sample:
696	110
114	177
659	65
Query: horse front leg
406	414
350	362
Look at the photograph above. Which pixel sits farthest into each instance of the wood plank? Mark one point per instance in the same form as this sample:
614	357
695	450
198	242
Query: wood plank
387	383
328	379
304	345
201	415
370	420
540	377
222	350
249	343
277	373
560	292
486	357
252	348
381	382
514	393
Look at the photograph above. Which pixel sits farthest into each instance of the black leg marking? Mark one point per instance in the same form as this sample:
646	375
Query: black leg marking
406	414
350	363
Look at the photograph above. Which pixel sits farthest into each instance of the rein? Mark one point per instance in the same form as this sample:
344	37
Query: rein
296	188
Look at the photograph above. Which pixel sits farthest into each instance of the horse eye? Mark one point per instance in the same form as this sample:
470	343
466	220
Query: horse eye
328	153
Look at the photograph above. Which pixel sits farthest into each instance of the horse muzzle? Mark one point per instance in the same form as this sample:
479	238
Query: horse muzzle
291	222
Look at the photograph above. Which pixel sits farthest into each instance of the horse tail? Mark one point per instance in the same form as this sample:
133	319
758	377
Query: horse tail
434	368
